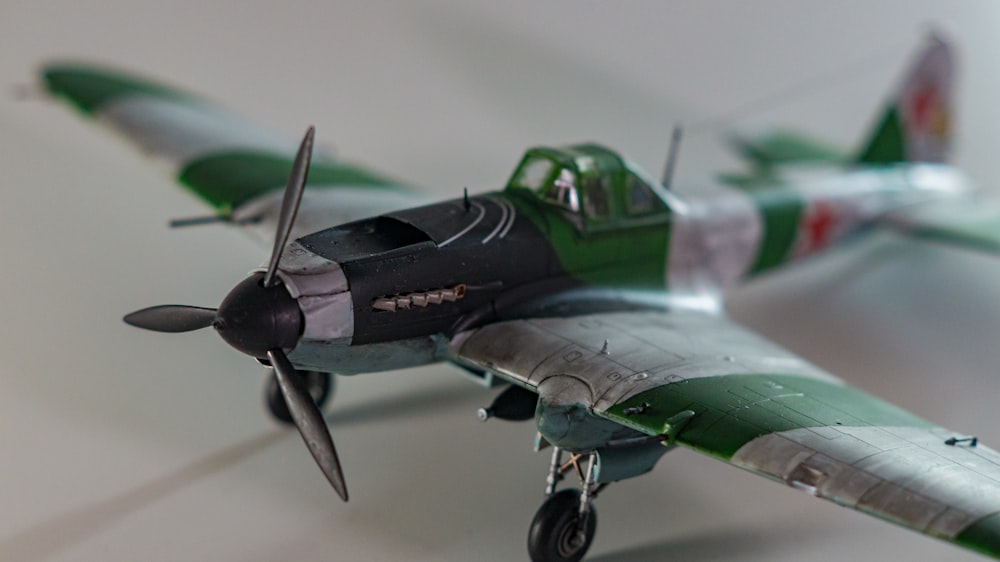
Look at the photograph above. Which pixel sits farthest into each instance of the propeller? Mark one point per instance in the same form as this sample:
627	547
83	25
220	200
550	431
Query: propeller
309	420
260	318
172	318
290	203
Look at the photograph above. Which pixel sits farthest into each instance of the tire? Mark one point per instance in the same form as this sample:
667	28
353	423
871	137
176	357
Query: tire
553	534
320	385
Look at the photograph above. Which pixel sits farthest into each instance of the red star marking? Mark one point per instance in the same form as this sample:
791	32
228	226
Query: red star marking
817	225
922	107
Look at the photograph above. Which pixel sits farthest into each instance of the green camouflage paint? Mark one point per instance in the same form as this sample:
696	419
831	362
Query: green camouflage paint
224	179
609	248
627	257
781	209
89	89
887	145
785	147
732	410
228	180
983	535
982	233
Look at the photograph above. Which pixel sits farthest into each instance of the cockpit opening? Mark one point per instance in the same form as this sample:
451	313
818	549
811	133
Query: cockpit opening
592	185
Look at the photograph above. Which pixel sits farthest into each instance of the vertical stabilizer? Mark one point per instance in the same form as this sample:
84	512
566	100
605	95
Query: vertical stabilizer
917	126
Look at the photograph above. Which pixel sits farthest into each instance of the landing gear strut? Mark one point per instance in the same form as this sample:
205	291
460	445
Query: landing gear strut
564	525
320	386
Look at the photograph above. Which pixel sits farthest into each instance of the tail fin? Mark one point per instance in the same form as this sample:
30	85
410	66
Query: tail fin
917	125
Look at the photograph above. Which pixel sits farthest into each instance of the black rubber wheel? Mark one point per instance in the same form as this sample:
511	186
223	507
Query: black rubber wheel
554	534
320	386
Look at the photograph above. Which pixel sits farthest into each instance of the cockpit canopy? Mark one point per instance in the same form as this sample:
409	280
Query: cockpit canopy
592	185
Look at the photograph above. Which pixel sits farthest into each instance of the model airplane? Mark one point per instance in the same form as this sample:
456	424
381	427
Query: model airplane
590	288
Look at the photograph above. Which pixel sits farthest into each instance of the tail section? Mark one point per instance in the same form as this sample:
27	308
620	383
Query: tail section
917	126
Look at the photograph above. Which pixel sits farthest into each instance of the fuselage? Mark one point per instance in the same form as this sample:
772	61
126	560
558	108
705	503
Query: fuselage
388	292
731	234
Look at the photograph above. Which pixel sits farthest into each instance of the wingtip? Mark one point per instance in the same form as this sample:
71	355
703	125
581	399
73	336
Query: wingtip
90	86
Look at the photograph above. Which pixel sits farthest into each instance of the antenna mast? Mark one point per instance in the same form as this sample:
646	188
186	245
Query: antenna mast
675	145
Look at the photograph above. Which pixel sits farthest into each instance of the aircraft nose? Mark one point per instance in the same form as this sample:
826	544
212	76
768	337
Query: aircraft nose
255	319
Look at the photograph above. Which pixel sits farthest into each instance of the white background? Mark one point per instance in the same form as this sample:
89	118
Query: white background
116	444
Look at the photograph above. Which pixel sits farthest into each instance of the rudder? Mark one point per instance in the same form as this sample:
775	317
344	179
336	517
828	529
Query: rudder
918	123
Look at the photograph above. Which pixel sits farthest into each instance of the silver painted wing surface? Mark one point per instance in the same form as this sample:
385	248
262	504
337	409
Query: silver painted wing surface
700	381
232	163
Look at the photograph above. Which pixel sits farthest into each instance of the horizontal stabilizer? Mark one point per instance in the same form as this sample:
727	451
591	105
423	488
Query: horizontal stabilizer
781	147
972	222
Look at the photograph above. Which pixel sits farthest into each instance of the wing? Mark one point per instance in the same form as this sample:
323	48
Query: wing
710	385
231	163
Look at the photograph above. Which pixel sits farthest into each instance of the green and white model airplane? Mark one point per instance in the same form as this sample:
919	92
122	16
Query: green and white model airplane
592	290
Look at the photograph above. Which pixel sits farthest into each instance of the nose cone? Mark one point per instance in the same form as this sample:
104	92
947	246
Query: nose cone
254	318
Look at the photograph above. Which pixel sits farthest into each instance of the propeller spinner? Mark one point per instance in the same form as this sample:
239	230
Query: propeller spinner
259	318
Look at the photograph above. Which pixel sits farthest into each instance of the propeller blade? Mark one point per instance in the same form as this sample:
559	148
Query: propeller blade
172	318
308	419
290	203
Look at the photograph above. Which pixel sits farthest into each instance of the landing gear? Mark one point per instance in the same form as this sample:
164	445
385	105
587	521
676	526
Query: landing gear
564	526
559	533
320	386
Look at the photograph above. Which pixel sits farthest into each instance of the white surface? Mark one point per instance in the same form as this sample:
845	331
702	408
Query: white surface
121	445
